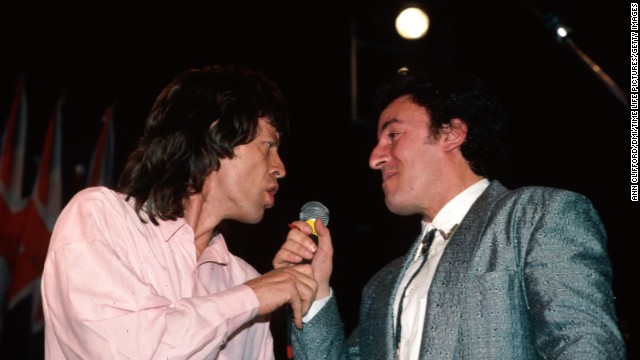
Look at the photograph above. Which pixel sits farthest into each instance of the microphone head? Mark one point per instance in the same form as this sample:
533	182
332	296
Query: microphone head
314	210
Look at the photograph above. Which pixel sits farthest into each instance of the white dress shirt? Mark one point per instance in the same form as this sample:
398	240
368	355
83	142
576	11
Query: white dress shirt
415	299
115	287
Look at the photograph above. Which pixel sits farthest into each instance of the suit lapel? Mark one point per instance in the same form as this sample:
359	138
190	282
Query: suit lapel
381	315
450	280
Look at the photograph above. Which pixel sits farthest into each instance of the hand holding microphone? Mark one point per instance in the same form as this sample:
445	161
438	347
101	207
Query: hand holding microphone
309	241
294	281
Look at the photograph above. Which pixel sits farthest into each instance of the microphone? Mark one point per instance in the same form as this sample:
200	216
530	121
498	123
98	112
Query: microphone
309	213
312	211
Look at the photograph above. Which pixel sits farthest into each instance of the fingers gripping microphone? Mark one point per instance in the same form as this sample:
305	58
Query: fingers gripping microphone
312	211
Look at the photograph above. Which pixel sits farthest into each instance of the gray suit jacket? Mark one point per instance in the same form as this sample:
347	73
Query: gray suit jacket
525	276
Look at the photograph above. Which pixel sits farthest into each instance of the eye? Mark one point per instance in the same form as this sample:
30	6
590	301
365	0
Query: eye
393	135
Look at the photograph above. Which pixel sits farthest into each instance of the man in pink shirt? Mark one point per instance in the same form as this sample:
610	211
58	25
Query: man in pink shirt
141	271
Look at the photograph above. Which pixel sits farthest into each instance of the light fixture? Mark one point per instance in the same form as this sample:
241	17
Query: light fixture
412	23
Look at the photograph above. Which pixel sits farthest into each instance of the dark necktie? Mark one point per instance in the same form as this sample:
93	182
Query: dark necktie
427	240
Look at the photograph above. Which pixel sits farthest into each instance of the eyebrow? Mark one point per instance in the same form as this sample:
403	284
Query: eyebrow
273	137
387	124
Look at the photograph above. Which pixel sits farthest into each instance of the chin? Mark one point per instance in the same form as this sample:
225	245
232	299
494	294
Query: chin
399	208
252	218
255	219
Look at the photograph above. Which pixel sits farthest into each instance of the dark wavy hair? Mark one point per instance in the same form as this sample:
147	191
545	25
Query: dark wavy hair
197	120
448	95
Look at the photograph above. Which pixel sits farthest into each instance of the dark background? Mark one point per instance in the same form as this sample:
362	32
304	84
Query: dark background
567	129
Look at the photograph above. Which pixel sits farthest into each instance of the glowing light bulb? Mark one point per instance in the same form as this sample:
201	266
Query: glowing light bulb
412	23
562	32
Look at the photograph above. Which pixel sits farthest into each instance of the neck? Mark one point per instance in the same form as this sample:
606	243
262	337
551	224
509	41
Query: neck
452	187
202	222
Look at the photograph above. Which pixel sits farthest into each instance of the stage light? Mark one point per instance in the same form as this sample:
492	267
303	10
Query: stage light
412	23
562	32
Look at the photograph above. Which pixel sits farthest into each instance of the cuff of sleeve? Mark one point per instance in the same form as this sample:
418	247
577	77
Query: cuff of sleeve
317	306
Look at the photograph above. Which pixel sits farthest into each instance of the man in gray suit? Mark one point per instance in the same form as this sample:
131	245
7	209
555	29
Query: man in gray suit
495	274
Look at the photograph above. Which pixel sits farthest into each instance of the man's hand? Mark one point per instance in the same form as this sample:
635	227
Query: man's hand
299	246
292	285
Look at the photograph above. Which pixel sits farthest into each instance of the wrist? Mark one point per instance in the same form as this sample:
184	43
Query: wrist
323	291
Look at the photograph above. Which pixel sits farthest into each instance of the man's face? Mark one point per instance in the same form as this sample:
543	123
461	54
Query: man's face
408	156
246	185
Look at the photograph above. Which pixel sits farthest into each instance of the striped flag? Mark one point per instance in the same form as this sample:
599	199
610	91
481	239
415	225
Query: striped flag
43	209
12	202
101	167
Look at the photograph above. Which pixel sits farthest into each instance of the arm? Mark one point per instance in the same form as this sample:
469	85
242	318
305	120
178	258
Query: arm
322	337
568	282
99	298
96	304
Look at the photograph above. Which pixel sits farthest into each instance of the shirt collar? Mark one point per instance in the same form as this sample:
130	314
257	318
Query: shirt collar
168	228
216	251
454	211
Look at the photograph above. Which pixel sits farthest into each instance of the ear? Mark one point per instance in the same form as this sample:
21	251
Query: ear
453	134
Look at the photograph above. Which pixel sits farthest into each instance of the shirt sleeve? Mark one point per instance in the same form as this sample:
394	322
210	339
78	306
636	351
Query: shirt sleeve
98	306
316	306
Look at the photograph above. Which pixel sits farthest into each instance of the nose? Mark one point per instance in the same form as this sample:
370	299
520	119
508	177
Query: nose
378	157
277	168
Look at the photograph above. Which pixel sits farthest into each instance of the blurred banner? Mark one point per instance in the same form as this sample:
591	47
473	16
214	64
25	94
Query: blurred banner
26	222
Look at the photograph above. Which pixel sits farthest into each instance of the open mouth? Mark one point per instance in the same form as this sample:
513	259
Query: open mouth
273	190
387	176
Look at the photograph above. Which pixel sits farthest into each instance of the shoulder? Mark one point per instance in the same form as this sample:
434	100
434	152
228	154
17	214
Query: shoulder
541	197
545	205
97	199
89	212
97	193
549	194
529	206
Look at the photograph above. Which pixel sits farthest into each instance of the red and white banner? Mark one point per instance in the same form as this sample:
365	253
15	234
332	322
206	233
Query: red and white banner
13	204
42	211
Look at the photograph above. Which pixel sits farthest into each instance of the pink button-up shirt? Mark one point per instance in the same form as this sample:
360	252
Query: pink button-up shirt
114	287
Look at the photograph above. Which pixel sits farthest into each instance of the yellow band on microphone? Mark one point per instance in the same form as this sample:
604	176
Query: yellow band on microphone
312	223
